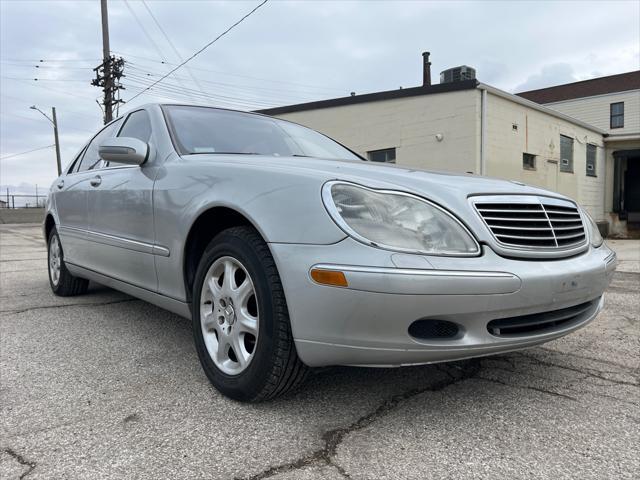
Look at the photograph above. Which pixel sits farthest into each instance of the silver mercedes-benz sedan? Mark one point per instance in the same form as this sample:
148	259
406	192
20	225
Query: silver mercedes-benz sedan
287	250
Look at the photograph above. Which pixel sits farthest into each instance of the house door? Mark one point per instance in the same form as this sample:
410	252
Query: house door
632	189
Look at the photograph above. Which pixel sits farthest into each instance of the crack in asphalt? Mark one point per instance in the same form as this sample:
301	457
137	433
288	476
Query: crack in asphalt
96	304
586	357
586	371
526	387
22	461
333	438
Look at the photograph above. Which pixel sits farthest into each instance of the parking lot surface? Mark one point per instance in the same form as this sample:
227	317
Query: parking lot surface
106	386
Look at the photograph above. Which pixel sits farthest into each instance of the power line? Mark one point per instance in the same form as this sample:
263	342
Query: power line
30	102
203	48
146	33
145	82
246	92
24	153
189	93
35	119
36	79
32	65
31	82
315	87
301	95
175	50
50	60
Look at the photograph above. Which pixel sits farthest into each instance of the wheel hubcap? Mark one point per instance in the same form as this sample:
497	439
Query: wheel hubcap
229	315
55	260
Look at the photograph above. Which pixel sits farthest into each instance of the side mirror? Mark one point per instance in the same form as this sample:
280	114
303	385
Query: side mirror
127	150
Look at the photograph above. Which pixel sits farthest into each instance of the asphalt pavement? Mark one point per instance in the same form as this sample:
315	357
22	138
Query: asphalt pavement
105	386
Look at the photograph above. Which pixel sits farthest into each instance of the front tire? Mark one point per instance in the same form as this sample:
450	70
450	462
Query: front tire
240	319
61	281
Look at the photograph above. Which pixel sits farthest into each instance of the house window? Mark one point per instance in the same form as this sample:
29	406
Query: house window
566	154
591	160
528	161
617	115
387	155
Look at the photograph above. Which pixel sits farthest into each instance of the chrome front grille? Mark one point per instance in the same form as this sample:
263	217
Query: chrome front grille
533	222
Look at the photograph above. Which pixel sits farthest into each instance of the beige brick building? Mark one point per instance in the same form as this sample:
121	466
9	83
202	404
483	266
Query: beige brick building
468	126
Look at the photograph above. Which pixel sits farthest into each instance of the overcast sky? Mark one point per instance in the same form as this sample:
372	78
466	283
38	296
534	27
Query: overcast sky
287	52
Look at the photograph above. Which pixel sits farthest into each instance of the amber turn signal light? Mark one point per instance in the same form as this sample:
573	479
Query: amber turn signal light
334	278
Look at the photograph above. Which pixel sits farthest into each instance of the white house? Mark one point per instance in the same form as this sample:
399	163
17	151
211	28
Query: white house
611	103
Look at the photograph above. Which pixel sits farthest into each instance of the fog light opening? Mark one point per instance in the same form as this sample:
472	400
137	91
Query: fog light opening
430	329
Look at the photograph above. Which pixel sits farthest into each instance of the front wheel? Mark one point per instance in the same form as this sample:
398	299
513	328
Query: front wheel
61	281
240	319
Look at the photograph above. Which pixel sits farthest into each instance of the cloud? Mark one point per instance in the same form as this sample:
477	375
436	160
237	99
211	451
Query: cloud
288	52
554	74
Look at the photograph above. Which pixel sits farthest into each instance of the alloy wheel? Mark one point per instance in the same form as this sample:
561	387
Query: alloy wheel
55	260
229	315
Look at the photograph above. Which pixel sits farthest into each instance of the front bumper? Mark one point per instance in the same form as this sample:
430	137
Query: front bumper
367	322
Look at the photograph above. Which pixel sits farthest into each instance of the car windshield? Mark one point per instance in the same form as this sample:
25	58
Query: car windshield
204	130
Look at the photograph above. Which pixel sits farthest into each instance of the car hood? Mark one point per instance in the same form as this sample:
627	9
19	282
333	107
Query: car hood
451	191
438	186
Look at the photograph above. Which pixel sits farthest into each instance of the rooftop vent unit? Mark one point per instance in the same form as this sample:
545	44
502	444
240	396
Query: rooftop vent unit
458	74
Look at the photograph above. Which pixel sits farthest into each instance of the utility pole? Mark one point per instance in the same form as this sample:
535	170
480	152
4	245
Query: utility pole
106	55
54	121
55	136
109	72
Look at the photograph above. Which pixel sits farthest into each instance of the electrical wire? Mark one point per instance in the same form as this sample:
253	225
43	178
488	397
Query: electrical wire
32	83
36	79
188	91
288	92
28	151
176	90
219	72
175	50
144	30
66	110
230	89
203	48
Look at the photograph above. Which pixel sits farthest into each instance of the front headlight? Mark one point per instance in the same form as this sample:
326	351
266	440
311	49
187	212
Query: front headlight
396	221
592	229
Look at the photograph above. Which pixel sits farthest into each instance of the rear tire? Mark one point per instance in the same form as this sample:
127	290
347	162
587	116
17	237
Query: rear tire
255	322
61	281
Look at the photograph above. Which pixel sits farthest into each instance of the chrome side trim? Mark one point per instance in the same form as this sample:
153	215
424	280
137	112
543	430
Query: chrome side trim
412	271
407	281
116	241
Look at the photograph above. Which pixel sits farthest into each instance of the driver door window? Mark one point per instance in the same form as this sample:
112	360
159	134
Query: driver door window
91	158
137	126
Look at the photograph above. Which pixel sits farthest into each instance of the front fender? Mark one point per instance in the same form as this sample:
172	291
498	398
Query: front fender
284	206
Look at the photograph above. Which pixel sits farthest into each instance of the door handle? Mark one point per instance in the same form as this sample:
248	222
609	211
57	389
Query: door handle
60	184
96	181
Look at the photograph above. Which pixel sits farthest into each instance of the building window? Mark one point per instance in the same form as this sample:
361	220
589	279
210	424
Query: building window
591	160
566	154
617	115
387	155
528	161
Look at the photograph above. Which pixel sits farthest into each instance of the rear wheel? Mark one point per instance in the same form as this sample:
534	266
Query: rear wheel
240	319
62	282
